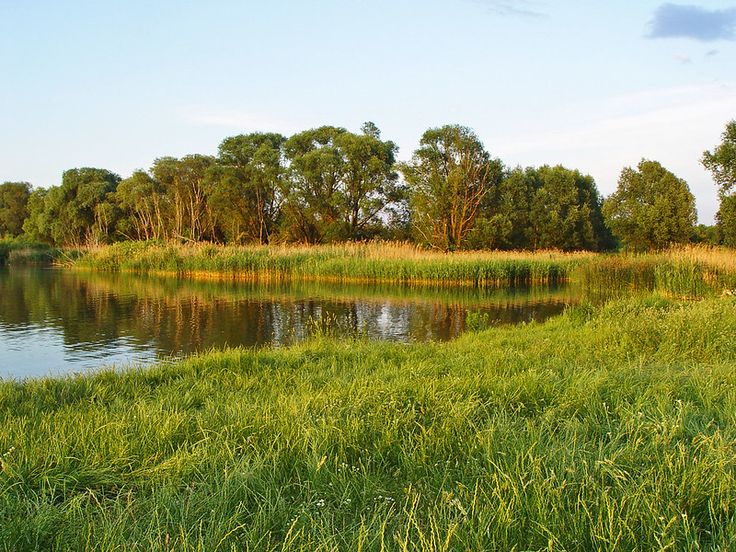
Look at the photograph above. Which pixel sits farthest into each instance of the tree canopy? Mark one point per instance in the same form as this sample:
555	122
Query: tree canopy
13	207
651	208
329	184
448	179
721	162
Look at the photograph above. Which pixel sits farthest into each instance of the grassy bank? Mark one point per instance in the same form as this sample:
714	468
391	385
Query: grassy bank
684	272
608	429
16	251
377	262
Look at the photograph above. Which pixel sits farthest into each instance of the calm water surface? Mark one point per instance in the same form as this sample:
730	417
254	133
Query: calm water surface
55	321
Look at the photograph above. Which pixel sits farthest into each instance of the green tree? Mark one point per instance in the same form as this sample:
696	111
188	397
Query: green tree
189	216
13	207
340	183
449	178
248	185
651	208
143	202
721	162
80	210
37	225
566	211
504	221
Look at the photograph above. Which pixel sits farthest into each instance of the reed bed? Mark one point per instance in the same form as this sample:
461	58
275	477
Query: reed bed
15	251
376	262
609	428
690	272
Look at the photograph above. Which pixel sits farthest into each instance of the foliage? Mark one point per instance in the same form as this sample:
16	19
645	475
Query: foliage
329	185
651	208
721	162
449	178
80	210
341	183
566	211
13	207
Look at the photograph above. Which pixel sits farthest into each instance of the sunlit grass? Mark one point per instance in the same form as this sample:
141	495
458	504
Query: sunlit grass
606	428
378	262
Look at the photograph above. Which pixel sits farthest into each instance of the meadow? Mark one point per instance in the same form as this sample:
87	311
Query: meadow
610	427
688	272
606	428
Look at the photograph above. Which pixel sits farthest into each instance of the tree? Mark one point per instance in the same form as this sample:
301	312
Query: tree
566	211
449	177
721	162
340	183
80	210
190	217
503	221
247	187
13	207
37	225
142	200
651	208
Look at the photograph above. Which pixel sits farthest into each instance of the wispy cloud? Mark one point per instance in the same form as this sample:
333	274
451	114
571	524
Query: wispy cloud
683	58
522	8
711	53
671	125
689	21
236	120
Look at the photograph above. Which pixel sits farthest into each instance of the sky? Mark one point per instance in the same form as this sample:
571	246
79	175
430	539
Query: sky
595	85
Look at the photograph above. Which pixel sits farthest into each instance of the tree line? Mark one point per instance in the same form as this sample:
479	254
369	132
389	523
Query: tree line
328	185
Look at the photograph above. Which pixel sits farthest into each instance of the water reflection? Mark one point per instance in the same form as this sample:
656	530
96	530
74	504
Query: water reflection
55	321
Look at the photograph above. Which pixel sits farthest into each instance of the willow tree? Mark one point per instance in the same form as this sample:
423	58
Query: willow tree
448	178
13	207
340	182
184	182
721	162
651	208
142	200
247	187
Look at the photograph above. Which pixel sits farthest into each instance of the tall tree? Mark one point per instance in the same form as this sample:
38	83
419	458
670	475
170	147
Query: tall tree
340	183
651	208
721	162
13	207
37	225
505	218
566	211
185	183
80	210
247	187
449	177
143	202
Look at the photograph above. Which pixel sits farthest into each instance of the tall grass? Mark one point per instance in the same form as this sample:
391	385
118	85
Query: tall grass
687	272
17	251
382	262
684	272
604	429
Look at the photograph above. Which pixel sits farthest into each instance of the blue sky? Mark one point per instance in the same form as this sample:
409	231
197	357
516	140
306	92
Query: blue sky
593	85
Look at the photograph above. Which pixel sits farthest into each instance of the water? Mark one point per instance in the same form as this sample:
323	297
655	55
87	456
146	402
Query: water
54	322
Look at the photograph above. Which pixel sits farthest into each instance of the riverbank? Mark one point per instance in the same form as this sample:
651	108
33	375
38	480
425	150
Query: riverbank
24	253
605	428
685	272
385	262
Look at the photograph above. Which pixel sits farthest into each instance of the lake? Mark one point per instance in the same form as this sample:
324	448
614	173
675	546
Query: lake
55	321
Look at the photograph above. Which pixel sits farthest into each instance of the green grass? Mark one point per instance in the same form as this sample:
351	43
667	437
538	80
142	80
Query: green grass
18	251
689	272
604	429
376	262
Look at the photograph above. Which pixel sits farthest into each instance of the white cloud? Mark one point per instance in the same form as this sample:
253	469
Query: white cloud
237	120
